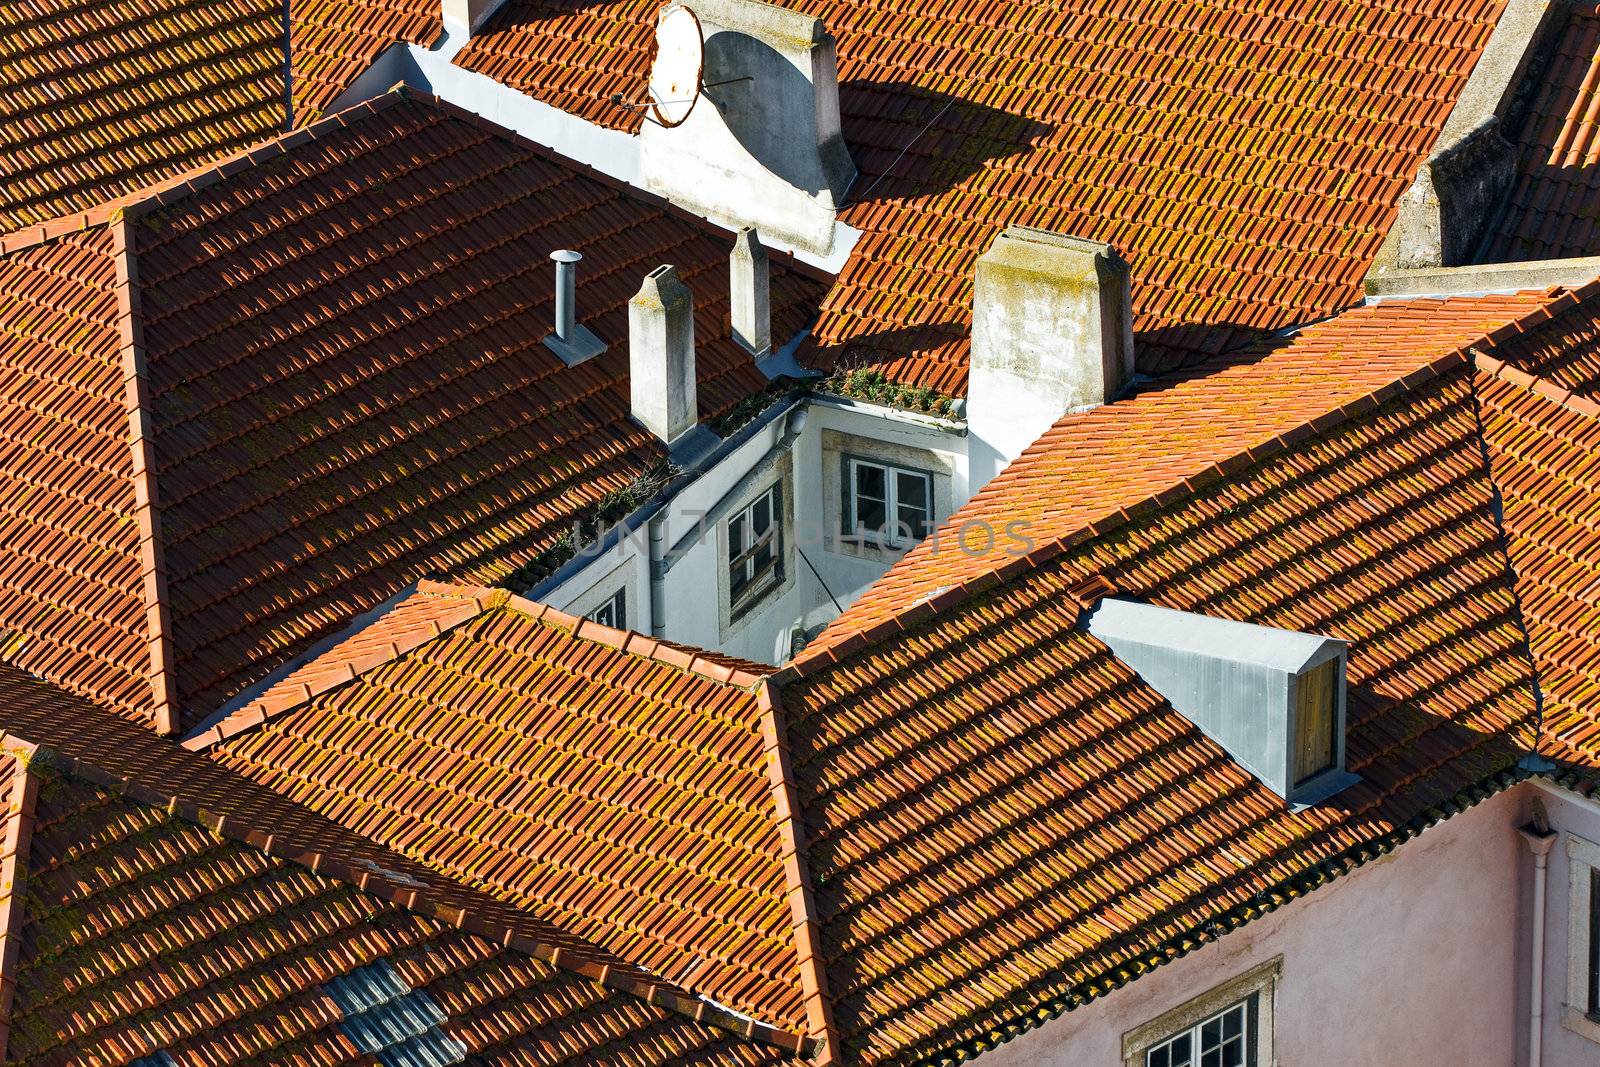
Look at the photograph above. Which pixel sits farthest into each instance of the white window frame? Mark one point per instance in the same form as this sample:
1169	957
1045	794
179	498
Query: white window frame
1260	982
616	606
1583	858
757	583
890	536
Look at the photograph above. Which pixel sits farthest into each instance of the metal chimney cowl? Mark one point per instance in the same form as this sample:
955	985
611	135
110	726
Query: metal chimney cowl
571	341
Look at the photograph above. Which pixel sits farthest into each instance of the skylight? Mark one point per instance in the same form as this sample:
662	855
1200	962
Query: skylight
386	1018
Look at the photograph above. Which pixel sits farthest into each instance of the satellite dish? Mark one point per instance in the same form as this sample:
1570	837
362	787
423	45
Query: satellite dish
680	64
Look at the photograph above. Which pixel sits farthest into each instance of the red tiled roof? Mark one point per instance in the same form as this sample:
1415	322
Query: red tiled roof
107	751
100	97
1246	158
71	598
1553	211
613	785
142	932
1545	456
366	401
1096	470
335	41
1560	356
1004	822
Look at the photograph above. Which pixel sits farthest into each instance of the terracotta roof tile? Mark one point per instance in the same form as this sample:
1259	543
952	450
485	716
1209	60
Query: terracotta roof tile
335	41
100	97
109	752
1248	165
71	600
130	913
1546	464
1091	470
366	402
621	797
1551	212
1005	822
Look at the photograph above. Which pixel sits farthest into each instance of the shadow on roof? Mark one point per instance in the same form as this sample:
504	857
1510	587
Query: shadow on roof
908	141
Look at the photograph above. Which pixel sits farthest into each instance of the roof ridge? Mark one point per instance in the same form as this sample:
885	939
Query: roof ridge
141	434
1545	387
170	190
13	880
649	988
807	921
820	657
642	645
289	694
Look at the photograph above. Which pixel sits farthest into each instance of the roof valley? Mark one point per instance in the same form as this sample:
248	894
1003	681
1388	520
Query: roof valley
141	438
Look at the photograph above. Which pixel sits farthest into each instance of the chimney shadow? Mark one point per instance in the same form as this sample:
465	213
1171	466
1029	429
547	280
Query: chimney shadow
908	141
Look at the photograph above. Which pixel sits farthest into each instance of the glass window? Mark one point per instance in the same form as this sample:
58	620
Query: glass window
1223	1040
614	612
755	548
1594	944
1316	718
887	505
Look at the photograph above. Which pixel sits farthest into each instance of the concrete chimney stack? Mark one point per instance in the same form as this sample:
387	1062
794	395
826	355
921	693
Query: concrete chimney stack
467	15
763	145
1052	332
571	340
751	279
661	355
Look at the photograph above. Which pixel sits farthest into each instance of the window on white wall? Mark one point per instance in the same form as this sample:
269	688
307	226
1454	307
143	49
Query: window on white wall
1229	1026
885	504
755	549
1582	1012
612	612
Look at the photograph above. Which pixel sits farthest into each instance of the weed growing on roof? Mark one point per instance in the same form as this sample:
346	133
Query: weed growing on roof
873	386
745	411
612	508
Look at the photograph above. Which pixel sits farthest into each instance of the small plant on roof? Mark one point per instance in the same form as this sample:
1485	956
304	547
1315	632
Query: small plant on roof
872	385
616	505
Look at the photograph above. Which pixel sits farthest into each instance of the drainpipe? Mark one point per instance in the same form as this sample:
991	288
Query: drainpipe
658	576
1540	838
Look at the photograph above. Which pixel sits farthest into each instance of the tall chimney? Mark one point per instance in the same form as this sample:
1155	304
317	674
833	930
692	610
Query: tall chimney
1052	332
571	340
751	281
661	355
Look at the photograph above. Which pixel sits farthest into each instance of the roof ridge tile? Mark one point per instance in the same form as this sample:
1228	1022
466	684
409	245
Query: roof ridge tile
147	503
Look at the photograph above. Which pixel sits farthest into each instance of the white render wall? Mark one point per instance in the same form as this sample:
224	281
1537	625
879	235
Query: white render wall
1410	960
692	594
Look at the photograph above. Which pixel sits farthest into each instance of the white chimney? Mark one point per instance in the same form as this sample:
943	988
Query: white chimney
571	340
661	355
750	279
1052	332
467	15
762	145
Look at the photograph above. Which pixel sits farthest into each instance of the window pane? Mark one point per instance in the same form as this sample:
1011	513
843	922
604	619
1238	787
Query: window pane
1594	942
1315	719
870	516
736	529
913	523
911	489
761	515
870	481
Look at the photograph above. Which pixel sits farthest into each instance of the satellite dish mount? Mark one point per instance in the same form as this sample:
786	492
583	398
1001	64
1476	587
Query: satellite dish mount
677	78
